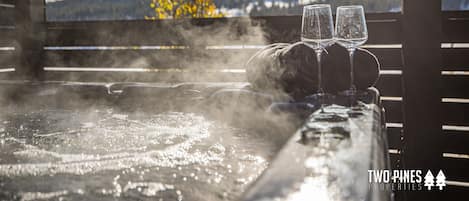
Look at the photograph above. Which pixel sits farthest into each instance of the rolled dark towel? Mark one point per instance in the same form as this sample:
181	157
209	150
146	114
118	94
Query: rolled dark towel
292	69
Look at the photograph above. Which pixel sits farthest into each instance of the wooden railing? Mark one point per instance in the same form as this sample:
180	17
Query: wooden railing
455	59
178	50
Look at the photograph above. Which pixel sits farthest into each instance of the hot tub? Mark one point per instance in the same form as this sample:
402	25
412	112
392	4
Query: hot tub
102	141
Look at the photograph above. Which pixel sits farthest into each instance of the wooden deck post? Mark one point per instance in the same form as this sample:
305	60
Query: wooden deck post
422	35
30	35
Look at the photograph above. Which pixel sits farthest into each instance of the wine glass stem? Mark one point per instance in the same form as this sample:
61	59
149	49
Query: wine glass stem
318	57
320	89
351	52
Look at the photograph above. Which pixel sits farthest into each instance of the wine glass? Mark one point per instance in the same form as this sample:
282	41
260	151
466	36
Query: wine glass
317	32
351	32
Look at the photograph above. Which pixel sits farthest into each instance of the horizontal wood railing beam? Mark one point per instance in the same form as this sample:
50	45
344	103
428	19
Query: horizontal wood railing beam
456	58
456	142
455	26
455	86
7	16
8	2
394	138
393	111
390	85
454	169
456	114
7	59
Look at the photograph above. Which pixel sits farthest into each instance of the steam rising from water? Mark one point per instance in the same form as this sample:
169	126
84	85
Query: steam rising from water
96	153
191	48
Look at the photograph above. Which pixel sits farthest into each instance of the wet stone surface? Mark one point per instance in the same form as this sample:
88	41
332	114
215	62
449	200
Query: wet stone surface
326	159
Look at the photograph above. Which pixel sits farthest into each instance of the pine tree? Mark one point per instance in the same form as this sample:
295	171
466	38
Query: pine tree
440	180
429	183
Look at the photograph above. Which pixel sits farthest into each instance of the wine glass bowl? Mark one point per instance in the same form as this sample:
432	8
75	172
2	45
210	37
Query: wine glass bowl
317	30
350	30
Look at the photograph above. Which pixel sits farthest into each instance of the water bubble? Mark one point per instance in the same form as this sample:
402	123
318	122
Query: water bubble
80	191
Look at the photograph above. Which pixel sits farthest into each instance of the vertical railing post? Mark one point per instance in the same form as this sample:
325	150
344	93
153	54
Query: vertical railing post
422	35
30	35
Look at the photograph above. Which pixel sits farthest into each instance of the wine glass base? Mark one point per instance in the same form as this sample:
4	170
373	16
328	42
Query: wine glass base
352	98
320	99
323	99
349	92
329	117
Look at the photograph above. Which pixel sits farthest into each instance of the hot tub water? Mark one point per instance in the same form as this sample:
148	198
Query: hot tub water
102	154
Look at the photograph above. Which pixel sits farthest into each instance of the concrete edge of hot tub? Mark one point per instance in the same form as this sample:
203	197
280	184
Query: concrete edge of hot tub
297	170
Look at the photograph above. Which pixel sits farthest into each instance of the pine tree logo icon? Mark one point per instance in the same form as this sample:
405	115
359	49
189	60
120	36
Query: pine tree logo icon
429	180
440	180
